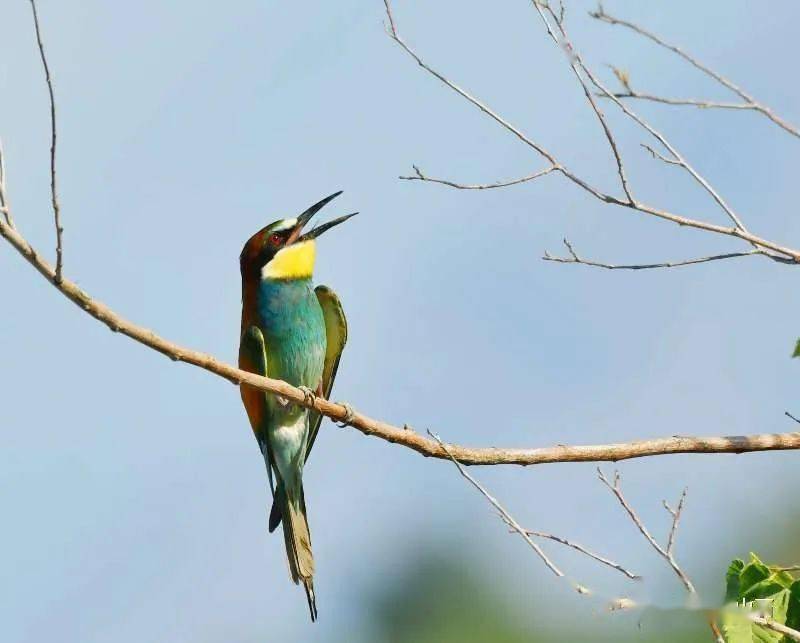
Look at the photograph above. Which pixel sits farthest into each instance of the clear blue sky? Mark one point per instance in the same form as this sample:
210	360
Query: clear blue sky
134	497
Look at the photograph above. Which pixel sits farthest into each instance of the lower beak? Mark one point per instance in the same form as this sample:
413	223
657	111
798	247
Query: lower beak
318	230
304	218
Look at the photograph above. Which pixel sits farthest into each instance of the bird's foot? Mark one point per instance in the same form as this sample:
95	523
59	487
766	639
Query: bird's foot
350	415
309	396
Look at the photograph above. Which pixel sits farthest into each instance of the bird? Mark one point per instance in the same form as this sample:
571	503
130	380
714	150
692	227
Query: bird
295	332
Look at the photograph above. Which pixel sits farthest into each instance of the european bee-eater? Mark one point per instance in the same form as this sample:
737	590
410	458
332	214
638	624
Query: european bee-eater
293	332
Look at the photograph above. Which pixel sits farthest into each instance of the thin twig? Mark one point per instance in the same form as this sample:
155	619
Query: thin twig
789	415
583	550
718	638
667	555
574	258
507	517
767	622
419	176
676	518
601	15
5	208
616	603
659	156
53	191
692	102
576	64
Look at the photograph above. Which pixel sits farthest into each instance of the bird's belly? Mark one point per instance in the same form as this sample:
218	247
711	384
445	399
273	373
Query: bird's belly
288	442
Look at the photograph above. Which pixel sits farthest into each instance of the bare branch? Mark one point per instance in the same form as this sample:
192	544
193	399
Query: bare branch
507	517
419	176
583	550
344	413
400	435
5	208
752	103
576	59
738	231
676	518
53	191
767	622
692	102
574	258
393	33
664	553
576	65
789	415
659	156
718	638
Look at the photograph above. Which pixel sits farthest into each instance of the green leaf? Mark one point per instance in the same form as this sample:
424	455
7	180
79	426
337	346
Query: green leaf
757	580
758	587
732	580
793	611
737	628
796	349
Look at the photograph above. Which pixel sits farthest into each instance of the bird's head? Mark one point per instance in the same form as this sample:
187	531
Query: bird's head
282	250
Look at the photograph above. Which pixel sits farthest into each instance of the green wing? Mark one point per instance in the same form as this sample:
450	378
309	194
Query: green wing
336	332
253	357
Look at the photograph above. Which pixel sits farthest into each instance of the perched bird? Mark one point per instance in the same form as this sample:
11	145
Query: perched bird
293	332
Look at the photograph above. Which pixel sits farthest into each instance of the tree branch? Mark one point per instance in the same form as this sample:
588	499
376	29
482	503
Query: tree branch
750	101
666	554
679	159
53	191
5	208
342	412
507	517
526	533
576	64
419	176
676	518
574	258
692	102
764	621
738	230
394	434
578	547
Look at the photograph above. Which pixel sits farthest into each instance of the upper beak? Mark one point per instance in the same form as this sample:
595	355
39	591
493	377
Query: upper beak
304	218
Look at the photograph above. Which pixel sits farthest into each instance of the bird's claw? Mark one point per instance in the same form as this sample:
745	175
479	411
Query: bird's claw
309	396
350	415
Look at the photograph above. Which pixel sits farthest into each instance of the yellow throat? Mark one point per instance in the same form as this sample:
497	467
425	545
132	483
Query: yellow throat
293	262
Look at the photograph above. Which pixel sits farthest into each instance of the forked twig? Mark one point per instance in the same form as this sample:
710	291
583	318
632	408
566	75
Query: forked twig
666	554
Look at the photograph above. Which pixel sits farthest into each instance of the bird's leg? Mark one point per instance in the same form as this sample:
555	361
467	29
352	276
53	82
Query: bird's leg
309	395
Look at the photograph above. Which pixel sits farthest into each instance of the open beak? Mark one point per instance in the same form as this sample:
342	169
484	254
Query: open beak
304	218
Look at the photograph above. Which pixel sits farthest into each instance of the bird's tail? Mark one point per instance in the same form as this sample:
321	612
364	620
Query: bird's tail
298	544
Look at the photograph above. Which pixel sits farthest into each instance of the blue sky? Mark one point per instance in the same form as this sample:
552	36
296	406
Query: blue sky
134	497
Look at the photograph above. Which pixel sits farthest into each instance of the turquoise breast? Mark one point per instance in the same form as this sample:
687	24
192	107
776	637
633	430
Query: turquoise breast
291	320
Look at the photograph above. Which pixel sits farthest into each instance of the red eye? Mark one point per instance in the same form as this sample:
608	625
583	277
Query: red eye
275	239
